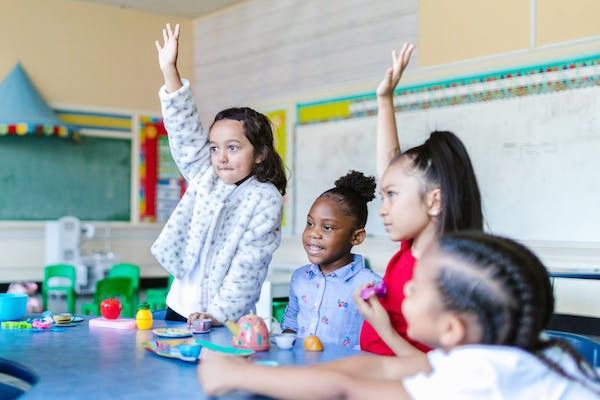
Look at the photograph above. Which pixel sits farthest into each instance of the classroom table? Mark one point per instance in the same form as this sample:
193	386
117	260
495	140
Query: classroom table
103	363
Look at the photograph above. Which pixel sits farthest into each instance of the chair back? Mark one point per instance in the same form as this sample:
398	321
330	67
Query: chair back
588	348
60	271
130	271
117	287
21	379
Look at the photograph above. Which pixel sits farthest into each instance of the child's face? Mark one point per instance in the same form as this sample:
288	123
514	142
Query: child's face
328	235
403	209
231	153
422	307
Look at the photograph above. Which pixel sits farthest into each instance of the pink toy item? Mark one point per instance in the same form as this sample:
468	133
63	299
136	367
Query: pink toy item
378	290
249	333
41	324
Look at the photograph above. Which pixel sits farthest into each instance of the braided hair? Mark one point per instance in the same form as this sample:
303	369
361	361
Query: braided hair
507	288
352	192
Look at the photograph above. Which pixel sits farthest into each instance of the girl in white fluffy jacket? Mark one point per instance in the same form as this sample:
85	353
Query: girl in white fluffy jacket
219	240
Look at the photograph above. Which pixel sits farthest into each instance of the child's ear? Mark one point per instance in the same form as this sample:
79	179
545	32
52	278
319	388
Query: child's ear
454	331
434	202
358	236
260	156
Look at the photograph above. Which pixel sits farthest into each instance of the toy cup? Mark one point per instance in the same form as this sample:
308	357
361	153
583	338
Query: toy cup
202	325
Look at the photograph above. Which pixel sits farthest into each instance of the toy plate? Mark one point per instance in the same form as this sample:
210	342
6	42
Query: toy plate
173	352
172	332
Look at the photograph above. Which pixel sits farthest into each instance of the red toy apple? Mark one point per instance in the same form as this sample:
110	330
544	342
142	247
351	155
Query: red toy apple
110	308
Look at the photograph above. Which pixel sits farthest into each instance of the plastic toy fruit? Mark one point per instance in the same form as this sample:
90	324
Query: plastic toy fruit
378	290
312	343
143	318
110	308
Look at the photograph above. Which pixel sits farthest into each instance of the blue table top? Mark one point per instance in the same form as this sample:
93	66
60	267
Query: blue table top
105	363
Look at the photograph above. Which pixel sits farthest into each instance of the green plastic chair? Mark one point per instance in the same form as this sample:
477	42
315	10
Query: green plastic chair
157	297
279	306
119	287
65	271
130	271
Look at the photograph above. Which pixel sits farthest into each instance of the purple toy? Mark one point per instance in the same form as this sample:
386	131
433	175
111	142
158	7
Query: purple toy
378	290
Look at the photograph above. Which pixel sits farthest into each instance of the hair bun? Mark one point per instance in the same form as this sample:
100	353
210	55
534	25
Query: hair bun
356	181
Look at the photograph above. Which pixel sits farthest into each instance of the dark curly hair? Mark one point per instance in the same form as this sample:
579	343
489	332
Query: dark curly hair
353	191
507	288
257	129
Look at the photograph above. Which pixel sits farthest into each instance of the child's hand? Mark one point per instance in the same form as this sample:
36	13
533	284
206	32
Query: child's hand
372	311
199	315
167	54
393	74
217	371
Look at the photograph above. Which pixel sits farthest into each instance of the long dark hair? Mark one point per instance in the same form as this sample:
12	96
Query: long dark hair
257	129
443	161
353	191
507	288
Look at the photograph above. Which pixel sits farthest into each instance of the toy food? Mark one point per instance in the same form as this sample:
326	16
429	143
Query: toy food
312	343
250	332
110	308
378	290
64	318
143	318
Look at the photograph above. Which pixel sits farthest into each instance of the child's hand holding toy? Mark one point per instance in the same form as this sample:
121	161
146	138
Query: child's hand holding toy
367	303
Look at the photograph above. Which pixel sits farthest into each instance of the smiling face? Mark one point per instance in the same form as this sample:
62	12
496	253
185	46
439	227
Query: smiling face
404	208
231	153
329	235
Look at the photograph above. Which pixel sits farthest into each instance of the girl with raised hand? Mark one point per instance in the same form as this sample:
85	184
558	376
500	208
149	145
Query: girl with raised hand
482	301
219	241
427	191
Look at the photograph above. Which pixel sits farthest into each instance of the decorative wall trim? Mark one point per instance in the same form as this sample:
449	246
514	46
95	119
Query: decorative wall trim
505	84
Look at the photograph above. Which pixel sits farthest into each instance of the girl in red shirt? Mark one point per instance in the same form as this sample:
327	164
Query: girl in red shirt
427	191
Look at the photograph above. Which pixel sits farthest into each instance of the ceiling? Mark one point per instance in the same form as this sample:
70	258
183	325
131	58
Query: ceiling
181	8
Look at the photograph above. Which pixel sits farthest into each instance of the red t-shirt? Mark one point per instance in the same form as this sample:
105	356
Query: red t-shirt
398	272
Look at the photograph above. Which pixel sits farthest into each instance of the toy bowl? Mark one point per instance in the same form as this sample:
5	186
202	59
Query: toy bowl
189	350
285	341
13	306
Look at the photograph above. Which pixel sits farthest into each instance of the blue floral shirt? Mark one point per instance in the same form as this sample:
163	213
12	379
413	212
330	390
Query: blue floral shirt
322	305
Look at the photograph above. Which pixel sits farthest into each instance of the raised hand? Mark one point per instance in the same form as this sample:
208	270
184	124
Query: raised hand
394	73
167	54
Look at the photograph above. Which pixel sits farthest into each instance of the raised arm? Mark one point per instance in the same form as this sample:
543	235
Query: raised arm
387	135
188	140
167	58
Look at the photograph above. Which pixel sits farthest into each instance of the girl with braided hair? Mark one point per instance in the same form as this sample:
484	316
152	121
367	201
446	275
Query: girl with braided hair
483	302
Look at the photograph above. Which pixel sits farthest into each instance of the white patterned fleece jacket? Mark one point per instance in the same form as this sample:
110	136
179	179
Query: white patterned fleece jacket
221	237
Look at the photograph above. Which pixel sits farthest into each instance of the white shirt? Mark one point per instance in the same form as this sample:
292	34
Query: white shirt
494	373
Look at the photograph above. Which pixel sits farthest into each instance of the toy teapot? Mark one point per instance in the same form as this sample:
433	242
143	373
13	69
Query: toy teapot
250	332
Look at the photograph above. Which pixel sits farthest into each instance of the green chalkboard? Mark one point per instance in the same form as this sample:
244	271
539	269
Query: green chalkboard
45	178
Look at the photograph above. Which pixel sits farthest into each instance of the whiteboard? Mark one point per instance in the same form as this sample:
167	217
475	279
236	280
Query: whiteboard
537	159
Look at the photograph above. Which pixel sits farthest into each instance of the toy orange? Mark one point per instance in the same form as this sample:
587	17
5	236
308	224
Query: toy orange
312	343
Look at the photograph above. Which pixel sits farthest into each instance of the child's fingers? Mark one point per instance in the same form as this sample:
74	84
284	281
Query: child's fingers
169	30
165	37
157	45
176	33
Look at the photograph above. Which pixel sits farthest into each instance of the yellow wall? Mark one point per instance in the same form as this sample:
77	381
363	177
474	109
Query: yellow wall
83	54
456	30
560	20
451	30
